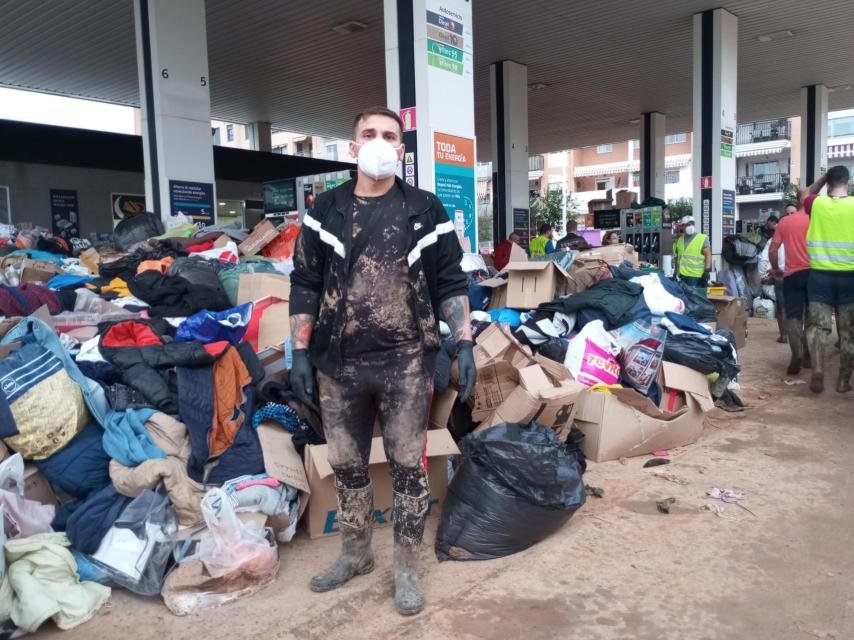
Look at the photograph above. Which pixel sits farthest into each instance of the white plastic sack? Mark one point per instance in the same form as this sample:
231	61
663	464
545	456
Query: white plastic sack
177	220
763	308
21	517
472	262
656	296
592	356
227	253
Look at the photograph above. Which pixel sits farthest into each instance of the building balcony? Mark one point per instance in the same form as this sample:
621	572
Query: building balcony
764	131
761	188
536	163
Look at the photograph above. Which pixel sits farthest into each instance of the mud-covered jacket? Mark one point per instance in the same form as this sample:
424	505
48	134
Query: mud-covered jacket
322	267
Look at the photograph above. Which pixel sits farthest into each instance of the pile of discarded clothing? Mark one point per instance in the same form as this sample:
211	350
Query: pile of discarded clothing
138	380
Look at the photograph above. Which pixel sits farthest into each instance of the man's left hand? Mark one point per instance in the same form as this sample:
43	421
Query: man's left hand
466	371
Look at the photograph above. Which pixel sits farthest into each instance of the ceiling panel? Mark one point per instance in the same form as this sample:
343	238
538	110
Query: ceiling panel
280	61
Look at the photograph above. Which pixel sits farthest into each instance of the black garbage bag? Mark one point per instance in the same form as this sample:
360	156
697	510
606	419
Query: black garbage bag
515	486
711	354
697	305
740	249
137	228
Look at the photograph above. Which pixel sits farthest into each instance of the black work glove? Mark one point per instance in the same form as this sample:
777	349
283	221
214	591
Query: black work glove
706	274
466	371
301	376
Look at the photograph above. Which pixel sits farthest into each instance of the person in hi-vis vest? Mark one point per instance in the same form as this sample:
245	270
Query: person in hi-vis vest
692	254
830	247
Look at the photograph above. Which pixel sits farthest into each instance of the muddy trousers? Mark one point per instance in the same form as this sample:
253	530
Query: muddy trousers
394	387
819	329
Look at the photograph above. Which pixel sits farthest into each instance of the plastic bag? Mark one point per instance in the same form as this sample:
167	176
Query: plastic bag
697	305
763	308
282	246
712	354
515	486
23	517
657	298
213	326
136	549
592	355
226	253
642	347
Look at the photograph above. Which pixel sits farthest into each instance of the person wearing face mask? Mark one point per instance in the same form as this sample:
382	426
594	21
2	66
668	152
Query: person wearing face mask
376	265
692	254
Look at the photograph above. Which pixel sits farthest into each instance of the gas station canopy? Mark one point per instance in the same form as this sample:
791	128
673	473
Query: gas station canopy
310	66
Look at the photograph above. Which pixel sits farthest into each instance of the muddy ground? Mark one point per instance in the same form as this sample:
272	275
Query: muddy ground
618	569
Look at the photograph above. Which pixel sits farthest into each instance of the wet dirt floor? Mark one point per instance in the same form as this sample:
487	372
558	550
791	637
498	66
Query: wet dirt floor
619	569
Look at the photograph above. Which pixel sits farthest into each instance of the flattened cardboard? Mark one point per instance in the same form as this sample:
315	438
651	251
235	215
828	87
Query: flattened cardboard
498	292
620	425
531	283
440	409
37	270
223	240
274	326
498	343
281	459
557	371
517	254
91	259
732	315
321	519
614	254
495	383
254	286
263	233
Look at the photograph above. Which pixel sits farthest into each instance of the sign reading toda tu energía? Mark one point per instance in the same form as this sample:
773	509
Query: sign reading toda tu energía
194	199
445	41
455	184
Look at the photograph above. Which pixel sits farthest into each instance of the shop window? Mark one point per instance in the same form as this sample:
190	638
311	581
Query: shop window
676	138
332	151
605	148
281	149
635	181
229	132
840	127
671	177
216	135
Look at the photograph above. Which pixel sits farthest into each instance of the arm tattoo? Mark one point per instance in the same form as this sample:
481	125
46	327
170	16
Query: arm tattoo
301	326
455	311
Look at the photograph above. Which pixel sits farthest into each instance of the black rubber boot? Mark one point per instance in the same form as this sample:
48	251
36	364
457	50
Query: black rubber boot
795	331
355	511
408	515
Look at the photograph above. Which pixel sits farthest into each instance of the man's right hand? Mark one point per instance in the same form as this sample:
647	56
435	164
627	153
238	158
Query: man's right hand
301	376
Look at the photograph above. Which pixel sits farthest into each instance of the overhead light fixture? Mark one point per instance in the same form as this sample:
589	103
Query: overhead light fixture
222	204
536	86
777	35
634	121
349	27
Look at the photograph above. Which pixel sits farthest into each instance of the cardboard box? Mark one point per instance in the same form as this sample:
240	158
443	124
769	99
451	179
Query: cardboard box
497	294
495	383
37	270
536	397
37	487
626	423
321	518
614	254
263	233
274	326
440	409
532	283
732	315
91	259
254	286
496	343
624	199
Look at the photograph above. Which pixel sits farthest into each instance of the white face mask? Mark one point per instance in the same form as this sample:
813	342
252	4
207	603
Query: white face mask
378	159
690	229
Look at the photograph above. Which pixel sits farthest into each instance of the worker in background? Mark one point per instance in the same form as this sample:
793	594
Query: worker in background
501	255
376	266
768	229
542	244
611	237
791	235
572	240
830	246
692	254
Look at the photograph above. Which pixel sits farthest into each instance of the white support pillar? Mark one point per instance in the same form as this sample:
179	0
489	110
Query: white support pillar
651	156
813	133
715	78
508	87
430	82
172	59
260	136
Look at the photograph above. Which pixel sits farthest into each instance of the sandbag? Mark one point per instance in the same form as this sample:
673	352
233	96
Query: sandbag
515	486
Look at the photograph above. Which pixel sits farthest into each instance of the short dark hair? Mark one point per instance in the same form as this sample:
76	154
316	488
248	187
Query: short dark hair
545	228
513	235
837	176
773	219
377	111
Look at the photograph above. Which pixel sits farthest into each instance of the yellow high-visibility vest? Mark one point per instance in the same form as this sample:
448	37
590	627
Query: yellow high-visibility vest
692	262
830	239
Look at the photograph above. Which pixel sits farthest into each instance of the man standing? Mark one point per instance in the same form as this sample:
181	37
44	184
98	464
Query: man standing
791	234
376	264
830	246
572	240
542	244
501	256
769	228
692	254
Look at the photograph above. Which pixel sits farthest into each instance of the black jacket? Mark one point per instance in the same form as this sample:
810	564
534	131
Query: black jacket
321	269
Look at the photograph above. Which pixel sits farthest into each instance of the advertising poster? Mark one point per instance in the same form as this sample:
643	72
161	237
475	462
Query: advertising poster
308	194
194	199
522	226
728	211
64	213
125	205
455	184
280	196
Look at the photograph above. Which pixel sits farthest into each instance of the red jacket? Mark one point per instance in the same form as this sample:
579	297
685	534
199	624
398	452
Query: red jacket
502	254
